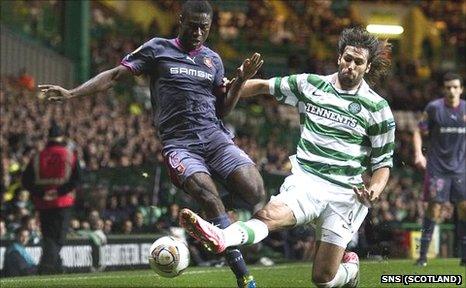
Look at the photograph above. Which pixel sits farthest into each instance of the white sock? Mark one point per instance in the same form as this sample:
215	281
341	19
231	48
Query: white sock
250	232
346	272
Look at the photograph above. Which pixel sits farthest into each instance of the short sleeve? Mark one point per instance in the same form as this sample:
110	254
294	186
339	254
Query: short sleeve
288	89
219	73
142	60
426	121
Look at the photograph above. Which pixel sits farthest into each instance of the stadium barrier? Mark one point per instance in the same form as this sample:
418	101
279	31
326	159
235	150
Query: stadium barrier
121	252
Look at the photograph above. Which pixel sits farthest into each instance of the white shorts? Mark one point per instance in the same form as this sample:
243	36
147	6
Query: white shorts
333	210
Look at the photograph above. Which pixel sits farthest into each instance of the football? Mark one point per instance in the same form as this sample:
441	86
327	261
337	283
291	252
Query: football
169	256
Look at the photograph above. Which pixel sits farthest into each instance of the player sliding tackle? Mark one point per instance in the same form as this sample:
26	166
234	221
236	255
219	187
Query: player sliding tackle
346	129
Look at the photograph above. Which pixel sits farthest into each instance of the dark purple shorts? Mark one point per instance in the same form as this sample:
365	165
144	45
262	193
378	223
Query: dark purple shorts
444	188
216	153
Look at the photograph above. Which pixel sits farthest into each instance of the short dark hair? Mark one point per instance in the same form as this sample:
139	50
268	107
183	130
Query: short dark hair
196	6
19	230
452	76
379	51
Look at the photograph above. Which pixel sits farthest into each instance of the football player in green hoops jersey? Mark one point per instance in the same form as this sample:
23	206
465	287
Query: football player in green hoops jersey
346	130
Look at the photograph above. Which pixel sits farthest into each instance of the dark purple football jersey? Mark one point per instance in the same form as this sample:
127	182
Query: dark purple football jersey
447	136
182	88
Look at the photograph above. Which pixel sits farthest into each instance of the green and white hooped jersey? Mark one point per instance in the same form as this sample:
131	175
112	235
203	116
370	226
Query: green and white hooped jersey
343	133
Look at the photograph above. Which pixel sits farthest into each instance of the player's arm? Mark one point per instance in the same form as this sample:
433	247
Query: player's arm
420	131
381	133
99	83
246	71
255	87
377	184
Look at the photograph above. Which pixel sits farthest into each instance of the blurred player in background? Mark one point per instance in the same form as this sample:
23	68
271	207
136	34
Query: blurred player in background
52	177
444	123
189	97
346	129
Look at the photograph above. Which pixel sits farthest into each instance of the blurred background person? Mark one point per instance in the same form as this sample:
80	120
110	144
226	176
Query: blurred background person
17	261
52	177
444	123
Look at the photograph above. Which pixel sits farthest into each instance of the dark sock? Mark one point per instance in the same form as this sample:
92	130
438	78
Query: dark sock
427	229
234	258
462	238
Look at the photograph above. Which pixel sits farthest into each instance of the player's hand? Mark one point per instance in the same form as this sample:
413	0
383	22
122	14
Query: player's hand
365	196
249	68
227	82
54	93
420	161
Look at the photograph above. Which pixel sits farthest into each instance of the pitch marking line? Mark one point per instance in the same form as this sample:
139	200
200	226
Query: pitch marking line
149	274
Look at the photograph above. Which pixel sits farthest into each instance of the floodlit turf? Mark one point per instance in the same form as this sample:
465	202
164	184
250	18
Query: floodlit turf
285	275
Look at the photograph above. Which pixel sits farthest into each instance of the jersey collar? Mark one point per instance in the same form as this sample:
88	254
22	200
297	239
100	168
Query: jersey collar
178	44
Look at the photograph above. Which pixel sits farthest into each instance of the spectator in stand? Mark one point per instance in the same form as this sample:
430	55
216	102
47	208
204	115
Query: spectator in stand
112	212
52	177
139	226
3	232
85	227
75	226
127	227
170	219
98	239
27	81
108	227
30	223
17	260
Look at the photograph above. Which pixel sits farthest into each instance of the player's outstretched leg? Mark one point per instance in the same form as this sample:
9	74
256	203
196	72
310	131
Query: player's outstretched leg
210	236
215	239
234	257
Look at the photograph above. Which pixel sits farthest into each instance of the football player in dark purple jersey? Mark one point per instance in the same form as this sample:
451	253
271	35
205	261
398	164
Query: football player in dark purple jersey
444	123
189	98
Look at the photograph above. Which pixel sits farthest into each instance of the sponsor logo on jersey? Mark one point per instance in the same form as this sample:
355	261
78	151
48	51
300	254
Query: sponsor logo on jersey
453	130
208	62
354	108
331	115
191	72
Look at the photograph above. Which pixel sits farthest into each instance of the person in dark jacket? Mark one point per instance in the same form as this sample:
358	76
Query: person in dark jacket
17	260
52	177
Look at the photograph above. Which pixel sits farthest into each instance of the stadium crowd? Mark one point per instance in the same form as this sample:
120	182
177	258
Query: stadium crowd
117	131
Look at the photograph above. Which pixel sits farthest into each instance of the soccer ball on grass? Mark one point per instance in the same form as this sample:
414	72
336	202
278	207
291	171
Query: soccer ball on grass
169	256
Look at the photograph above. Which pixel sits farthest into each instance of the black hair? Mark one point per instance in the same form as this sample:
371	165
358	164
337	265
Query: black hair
452	76
379	51
19	230
196	6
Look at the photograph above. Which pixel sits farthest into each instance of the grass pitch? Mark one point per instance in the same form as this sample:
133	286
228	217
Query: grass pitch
284	275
